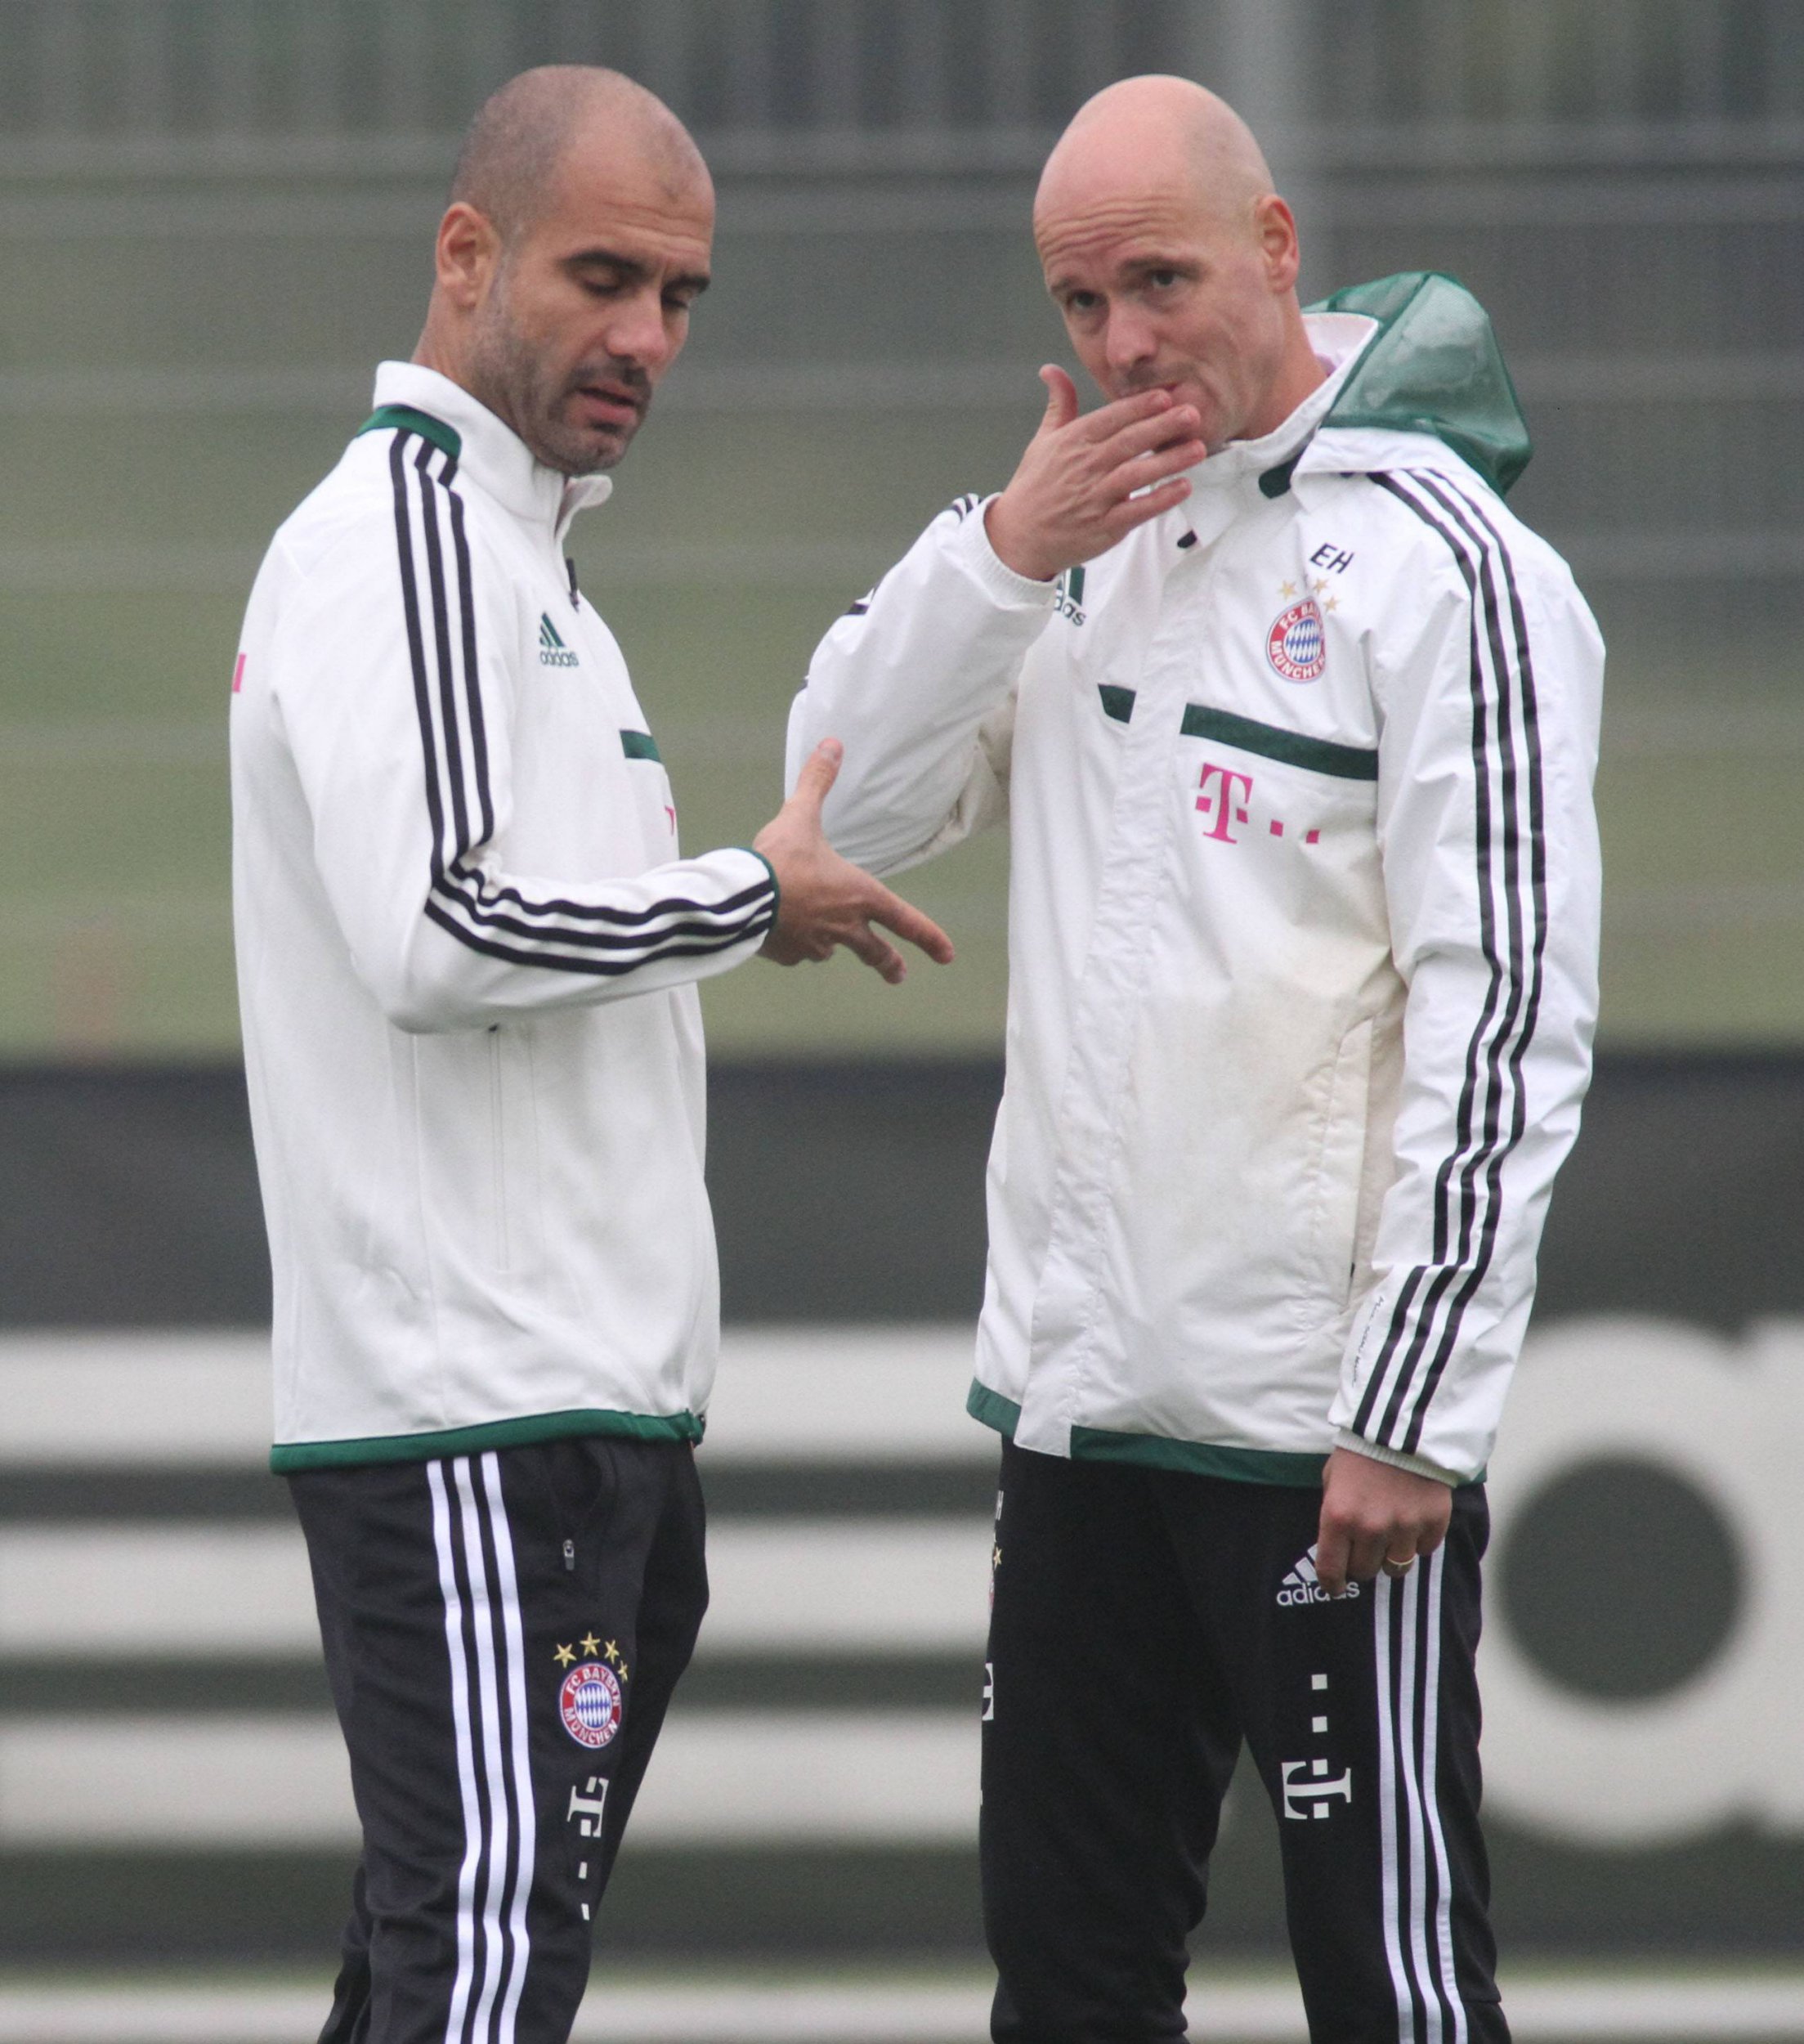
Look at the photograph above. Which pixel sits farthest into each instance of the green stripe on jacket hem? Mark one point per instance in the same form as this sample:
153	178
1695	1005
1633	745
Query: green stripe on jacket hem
286	1456
1158	1451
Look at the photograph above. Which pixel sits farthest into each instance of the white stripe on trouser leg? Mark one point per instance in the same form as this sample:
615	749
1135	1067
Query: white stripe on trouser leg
514	1646
1415	1904
1418	1934
1383	1599
466	1756
499	1854
1434	1577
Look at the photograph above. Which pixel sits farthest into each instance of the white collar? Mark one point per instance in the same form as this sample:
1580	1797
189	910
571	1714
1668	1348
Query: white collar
490	451
1338	339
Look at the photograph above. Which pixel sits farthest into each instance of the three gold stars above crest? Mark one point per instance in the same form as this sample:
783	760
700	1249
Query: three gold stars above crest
593	1649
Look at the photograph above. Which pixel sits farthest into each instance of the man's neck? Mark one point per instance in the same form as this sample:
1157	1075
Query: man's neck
1299	372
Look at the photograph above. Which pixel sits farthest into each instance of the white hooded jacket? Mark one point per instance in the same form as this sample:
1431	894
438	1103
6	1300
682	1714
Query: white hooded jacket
467	946
1303	916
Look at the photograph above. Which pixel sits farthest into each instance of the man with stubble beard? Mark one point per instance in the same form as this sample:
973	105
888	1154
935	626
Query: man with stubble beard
469	947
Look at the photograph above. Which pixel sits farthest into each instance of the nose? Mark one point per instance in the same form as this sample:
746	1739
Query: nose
641	329
1129	339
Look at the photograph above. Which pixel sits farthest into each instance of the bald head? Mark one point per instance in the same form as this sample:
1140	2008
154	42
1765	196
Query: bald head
515	148
576	241
1172	259
1156	132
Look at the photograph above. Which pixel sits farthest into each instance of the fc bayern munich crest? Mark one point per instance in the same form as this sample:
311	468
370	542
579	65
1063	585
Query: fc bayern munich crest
1296	645
590	1703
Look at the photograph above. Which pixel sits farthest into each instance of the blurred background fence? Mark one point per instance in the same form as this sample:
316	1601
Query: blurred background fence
215	216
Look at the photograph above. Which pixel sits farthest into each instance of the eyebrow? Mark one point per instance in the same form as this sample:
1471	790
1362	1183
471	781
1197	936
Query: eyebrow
630	266
1135	267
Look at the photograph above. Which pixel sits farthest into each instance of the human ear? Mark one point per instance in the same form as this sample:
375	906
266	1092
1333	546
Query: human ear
1275	228
465	256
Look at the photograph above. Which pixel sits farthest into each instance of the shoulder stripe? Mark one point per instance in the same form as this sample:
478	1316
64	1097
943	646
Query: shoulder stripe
438	599
404	418
1423	1331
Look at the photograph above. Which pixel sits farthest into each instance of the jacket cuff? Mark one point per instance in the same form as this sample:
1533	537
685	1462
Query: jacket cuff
1416	1465
999	580
776	889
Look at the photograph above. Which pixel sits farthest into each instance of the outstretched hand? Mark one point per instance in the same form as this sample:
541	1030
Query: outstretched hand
1073	496
823	900
1375	1516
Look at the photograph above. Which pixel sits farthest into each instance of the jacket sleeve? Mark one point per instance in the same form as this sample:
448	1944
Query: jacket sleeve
1489	708
916	681
392	667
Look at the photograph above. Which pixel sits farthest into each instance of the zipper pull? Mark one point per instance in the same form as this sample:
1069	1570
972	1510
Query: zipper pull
575	593
570	1557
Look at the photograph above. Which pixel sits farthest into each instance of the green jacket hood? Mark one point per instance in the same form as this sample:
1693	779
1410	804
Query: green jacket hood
1434	366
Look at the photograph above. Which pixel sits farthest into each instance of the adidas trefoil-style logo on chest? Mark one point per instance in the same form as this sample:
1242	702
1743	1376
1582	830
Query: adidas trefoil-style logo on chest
553	652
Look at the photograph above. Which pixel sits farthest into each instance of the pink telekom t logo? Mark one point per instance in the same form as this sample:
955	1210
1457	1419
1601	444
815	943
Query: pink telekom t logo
238	674
1224	802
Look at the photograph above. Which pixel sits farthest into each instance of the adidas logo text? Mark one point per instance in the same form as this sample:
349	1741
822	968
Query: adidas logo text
553	652
1070	589
1300	1585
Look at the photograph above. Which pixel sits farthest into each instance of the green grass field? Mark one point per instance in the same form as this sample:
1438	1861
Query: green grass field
127	543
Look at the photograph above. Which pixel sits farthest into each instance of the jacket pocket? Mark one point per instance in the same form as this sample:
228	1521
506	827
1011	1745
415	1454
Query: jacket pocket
1332	1197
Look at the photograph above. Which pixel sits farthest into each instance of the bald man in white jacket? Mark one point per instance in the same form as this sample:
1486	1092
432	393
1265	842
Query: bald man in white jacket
1293	726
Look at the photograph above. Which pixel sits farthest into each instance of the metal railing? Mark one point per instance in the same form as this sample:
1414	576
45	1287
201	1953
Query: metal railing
902	83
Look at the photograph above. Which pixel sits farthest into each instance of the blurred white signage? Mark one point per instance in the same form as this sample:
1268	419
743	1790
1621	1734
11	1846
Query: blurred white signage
1724	1747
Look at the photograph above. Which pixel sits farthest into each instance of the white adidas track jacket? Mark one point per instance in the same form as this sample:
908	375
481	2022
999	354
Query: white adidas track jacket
467	945
1303	918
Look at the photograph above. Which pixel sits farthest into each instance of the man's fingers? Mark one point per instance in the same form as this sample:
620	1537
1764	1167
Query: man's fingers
820	770
1332	1557
883	958
1140	465
1133	511
908	922
1346	1554
1174	429
1061	398
1109	419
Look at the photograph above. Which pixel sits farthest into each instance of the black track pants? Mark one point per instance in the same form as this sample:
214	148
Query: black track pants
1147	1622
503	1632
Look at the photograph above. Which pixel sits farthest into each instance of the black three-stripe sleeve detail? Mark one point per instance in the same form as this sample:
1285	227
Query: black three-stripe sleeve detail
496	920
451	737
416	647
479	737
1424	1325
